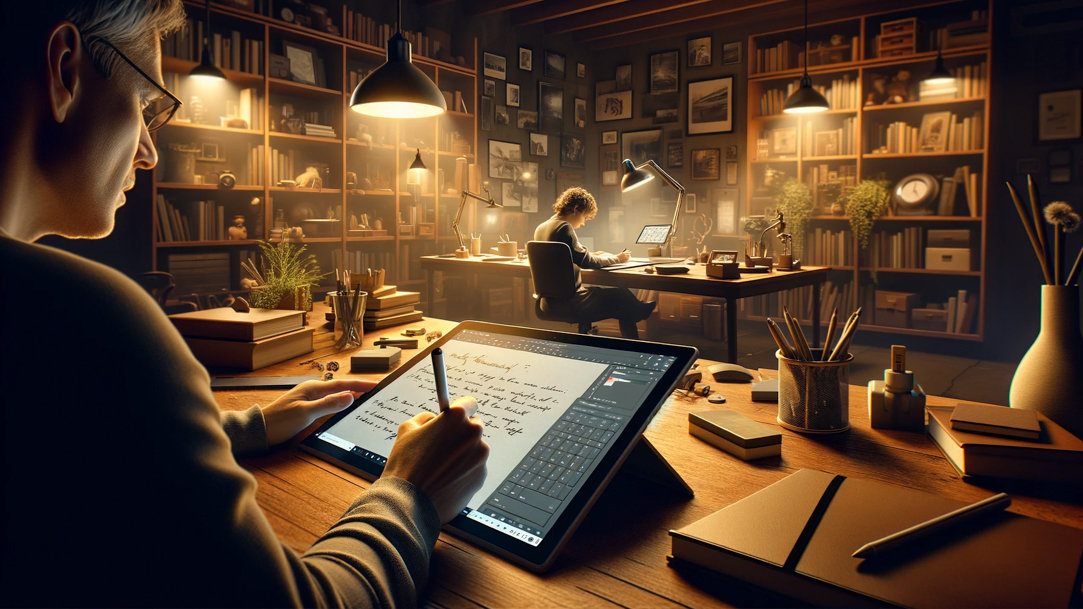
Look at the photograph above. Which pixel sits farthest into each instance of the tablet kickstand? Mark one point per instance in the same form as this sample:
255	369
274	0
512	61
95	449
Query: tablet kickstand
647	463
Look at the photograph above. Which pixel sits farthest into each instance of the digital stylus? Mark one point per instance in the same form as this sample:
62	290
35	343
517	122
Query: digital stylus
440	373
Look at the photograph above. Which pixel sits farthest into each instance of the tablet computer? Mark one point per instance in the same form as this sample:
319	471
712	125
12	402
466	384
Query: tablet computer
562	412
654	234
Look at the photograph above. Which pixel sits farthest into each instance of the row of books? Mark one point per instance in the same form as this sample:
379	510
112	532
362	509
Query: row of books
200	272
961	311
206	222
224	338
842	94
970	81
231	51
826	247
362	259
841	141
789	55
320	130
389	306
903	249
962	190
365	29
947	133
283	165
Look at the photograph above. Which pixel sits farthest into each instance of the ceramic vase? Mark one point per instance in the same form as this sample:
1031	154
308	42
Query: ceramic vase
1049	378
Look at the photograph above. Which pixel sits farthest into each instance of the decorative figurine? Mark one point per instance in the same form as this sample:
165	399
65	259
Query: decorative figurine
237	231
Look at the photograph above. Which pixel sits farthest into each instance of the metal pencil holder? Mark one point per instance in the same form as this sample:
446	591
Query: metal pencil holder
814	396
349	310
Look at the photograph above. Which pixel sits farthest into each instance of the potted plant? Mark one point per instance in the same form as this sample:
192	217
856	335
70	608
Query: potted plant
287	277
865	203
794	199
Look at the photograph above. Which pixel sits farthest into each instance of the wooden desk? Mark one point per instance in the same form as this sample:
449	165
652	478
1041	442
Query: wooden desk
695	282
618	555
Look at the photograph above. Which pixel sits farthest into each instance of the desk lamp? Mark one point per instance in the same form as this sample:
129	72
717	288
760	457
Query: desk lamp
634	177
462	252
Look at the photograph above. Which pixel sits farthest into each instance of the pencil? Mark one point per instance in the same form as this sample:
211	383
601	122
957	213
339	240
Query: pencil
780	340
798	336
921	530
847	334
830	332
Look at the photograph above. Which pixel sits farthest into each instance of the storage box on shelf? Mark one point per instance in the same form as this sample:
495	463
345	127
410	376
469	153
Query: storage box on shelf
296	156
882	124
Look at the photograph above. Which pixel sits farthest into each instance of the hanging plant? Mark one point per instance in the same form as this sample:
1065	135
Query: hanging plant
286	272
865	203
794	200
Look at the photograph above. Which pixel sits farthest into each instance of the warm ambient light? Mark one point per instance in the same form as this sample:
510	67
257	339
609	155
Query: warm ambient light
416	170
398	89
940	75
206	70
462	252
805	99
634	177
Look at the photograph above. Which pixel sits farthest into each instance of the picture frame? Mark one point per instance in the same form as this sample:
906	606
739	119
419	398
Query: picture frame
710	106
550	107
512	95
706	163
539	144
489	87
826	143
572	151
485	121
580	69
501	118
609	137
933	135
510	196
305	66
609	164
622	75
731	173
731	152
641	145
579	114
699	52
504	159
494	66
726	206
1059	115
209	151
731	53
527	120
689	202
664	76
675	154
783	141
612	106
554	65
526	59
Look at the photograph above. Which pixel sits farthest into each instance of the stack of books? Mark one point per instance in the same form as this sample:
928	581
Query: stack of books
224	338
388	306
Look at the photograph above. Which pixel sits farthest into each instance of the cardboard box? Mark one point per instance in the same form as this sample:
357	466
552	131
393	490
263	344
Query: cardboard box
893	308
929	319
948	237
947	258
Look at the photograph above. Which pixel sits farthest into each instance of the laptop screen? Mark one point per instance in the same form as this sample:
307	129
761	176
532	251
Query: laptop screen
654	234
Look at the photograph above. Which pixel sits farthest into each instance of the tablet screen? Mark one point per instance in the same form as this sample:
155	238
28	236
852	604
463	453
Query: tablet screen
654	234
560	412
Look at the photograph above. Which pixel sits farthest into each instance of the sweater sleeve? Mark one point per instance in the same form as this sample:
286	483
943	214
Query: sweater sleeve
580	256
247	430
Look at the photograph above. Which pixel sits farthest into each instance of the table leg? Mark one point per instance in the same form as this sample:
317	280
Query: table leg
731	329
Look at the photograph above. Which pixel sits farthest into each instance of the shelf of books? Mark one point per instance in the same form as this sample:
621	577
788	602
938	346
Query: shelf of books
274	152
924	144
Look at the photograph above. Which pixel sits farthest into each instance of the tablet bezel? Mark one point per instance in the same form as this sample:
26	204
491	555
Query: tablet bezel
536	558
644	229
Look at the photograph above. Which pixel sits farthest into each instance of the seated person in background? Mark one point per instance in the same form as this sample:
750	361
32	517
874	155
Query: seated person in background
119	483
572	210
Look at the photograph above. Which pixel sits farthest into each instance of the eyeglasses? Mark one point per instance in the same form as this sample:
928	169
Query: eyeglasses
159	110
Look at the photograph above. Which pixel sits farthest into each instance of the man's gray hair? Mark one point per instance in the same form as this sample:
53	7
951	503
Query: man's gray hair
124	23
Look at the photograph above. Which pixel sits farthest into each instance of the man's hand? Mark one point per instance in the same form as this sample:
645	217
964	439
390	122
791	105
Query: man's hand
624	256
296	409
443	455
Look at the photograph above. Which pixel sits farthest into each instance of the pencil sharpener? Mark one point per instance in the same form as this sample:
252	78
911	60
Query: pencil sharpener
897	402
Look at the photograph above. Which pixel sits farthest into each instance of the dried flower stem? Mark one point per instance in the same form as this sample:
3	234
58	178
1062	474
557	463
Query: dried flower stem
1032	234
1072	274
1036	209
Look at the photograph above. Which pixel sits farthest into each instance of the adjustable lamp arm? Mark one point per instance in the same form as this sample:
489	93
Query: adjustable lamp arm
462	203
668	179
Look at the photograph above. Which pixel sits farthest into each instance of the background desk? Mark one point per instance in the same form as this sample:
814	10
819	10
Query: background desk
695	282
618	555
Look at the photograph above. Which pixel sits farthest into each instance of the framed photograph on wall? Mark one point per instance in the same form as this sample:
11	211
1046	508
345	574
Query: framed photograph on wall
640	146
664	77
305	65
539	144
622	74
933	135
526	59
699	51
609	164
609	137
527	119
675	154
710	106
1059	115
580	114
504	159
572	151
501	118
731	53
725	203
689	202
612	106
495	66
513	95
706	163
488	87
554	65
550	107
580	69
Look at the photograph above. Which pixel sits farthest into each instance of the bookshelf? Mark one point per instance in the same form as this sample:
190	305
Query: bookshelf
883	124
269	125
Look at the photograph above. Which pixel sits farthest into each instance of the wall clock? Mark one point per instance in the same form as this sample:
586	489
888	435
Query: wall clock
915	195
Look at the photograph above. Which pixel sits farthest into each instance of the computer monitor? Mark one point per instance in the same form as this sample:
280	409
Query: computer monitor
654	234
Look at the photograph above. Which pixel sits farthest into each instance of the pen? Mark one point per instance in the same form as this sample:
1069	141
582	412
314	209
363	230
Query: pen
440	373
918	531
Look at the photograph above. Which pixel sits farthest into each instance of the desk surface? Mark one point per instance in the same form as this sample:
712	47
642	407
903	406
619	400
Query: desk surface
618	555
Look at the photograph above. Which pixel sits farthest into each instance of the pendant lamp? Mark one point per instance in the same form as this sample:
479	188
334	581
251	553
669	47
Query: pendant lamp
206	68
805	99
940	74
398	89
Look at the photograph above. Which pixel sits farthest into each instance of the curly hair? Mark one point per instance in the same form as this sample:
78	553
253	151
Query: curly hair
575	200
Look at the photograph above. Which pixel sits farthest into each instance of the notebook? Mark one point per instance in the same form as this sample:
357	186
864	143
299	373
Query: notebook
797	535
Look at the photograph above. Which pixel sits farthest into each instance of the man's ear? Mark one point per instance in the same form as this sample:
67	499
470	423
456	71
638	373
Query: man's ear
63	56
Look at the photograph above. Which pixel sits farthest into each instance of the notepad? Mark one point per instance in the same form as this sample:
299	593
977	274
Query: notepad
997	421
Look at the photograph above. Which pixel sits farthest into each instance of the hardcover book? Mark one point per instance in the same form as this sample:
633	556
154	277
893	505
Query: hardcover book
996	420
394	320
250	355
396	299
797	537
382	313
225	323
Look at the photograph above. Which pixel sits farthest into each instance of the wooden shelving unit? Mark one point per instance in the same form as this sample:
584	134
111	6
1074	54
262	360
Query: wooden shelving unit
874	130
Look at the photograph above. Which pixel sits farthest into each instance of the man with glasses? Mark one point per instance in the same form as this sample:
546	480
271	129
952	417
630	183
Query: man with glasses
118	482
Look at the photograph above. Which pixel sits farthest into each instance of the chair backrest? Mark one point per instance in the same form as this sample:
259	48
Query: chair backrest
551	269
158	283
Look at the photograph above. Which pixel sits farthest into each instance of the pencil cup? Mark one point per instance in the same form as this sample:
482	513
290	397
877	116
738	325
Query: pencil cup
508	248
348	328
814	397
475	246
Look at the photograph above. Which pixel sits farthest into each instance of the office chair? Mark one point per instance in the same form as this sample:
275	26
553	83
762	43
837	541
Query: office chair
553	275
159	284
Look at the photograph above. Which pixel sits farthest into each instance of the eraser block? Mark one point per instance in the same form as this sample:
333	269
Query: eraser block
375	360
765	391
735	433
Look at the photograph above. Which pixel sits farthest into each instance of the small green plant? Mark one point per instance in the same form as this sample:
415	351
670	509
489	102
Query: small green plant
794	200
286	269
865	203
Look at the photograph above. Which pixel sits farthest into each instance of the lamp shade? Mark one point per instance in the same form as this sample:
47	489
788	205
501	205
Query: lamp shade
418	163
633	177
805	99
206	67
940	74
398	89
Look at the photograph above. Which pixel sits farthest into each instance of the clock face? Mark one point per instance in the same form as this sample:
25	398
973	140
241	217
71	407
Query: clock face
914	191
917	189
